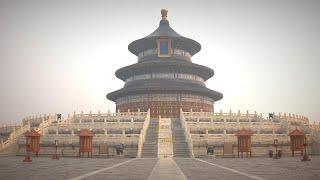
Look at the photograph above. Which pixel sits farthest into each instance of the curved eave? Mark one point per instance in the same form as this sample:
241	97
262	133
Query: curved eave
148	42
113	96
156	66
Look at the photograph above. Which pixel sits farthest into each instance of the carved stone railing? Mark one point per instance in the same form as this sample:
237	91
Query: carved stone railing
110	115
13	138
143	134
187	134
44	125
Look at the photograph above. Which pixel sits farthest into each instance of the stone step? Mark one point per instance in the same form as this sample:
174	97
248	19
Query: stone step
180	146
150	146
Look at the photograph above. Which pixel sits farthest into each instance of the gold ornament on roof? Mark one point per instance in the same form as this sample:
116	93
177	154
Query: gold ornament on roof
164	13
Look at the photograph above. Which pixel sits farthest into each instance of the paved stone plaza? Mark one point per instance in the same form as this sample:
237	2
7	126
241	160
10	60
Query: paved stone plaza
150	168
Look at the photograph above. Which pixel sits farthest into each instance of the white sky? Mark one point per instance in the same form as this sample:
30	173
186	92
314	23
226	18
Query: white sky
60	56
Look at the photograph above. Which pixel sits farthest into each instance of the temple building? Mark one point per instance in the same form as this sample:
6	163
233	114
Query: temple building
164	79
164	110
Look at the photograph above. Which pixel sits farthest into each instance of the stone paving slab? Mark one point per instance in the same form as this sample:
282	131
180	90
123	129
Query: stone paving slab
138	169
196	170
141	169
167	169
284	168
46	168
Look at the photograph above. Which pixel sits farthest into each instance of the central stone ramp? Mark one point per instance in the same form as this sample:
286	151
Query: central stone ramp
150	146
180	146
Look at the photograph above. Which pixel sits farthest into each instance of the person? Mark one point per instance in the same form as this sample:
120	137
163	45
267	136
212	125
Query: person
120	149
210	150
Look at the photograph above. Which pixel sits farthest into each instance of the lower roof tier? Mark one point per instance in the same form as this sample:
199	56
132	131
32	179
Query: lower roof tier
167	87
164	66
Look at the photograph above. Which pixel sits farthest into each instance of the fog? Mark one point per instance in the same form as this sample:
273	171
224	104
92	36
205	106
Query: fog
61	56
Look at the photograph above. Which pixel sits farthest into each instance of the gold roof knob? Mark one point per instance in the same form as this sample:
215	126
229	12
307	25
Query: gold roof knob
164	13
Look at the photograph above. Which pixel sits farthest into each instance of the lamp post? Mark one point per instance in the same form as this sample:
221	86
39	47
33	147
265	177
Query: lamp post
275	144
55	155
305	156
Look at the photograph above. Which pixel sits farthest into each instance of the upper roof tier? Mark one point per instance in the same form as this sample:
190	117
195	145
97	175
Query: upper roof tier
164	31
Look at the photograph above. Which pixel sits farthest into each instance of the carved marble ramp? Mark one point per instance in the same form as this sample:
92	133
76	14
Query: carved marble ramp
165	145
166	168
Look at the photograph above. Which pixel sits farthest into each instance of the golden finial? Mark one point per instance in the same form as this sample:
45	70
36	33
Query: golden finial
164	13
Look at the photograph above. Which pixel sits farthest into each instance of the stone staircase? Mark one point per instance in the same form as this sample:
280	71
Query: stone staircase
150	146
180	146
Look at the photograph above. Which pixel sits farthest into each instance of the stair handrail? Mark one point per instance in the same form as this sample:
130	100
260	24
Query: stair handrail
13	137
143	133
44	125
187	134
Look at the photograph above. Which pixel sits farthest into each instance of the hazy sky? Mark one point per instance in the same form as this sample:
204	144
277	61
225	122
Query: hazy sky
61	56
